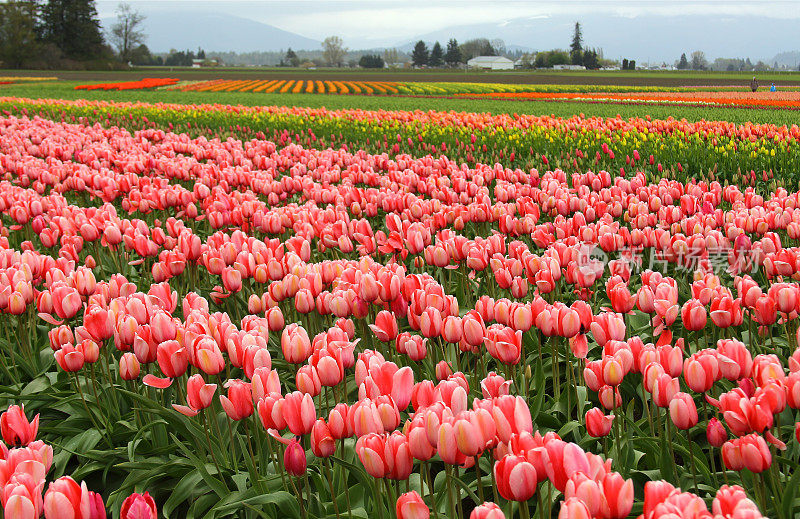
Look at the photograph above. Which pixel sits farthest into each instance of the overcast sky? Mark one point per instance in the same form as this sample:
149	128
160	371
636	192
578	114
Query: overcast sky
361	22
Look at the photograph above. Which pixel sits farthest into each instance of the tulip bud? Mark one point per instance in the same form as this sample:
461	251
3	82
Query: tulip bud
716	433
294	459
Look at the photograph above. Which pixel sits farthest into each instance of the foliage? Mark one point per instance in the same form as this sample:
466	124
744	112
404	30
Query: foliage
371	61
590	60
291	58
550	58
18	33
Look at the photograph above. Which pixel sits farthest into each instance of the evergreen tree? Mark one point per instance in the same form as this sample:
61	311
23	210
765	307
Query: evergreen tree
436	57
371	61
576	47
419	57
453	55
73	27
291	58
683	63
625	64
590	60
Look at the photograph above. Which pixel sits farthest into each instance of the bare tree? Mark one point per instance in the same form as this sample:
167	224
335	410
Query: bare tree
333	51
127	33
698	60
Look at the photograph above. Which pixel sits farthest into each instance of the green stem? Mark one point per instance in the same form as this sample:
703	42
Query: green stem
327	467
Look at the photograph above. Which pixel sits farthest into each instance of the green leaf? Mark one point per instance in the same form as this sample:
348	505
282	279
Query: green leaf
183	491
218	486
538	387
787	502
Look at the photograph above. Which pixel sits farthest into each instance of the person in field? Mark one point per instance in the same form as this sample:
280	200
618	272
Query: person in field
773	88
754	84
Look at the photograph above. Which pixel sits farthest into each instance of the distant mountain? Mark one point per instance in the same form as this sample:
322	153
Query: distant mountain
186	29
643	38
788	59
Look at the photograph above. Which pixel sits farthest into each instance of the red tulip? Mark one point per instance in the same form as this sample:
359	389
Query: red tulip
17	430
299	412
371	451
270	412
65	498
750	452
716	433
693	315
516	478
487	510
683	411
598	424
239	402
504	344
129	366
322	442
411	506
69	358
295	344
564	459
199	394
173	359
574	508
385	327
732	501
494	385
98	322
617	496
139	506
294	459
701	370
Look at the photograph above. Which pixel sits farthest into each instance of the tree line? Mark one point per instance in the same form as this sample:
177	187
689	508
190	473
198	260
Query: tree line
456	53
697	61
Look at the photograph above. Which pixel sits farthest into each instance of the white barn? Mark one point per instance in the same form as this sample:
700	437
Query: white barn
491	63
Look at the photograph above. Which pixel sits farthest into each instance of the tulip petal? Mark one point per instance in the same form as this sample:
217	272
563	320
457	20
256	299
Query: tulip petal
185	410
154	381
49	319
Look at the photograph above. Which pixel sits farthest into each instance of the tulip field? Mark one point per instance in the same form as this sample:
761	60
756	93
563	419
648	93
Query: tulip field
213	311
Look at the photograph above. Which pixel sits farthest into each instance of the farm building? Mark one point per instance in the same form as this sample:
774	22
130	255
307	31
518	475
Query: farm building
491	63
197	63
569	67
